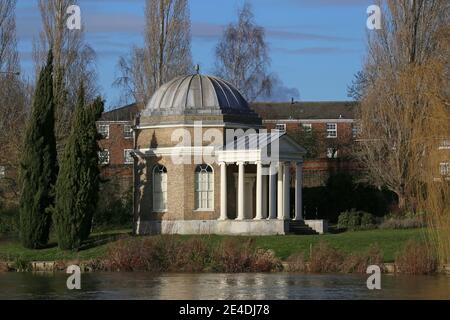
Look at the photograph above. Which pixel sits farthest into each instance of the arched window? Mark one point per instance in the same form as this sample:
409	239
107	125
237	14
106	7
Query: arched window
159	188
204	187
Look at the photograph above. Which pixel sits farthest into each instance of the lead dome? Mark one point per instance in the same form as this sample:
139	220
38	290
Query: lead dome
196	95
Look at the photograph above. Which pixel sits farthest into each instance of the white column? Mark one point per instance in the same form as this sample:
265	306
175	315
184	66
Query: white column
258	191
241	191
298	191
286	190
223	191
280	211
272	192
265	203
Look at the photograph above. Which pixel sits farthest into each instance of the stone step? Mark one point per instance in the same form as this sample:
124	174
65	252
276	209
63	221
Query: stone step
300	228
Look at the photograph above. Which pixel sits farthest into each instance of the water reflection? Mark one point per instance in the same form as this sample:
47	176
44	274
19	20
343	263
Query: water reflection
278	286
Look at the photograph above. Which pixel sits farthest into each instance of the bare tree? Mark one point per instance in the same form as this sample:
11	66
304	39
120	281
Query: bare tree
8	53
165	55
242	56
394	99
73	60
14	99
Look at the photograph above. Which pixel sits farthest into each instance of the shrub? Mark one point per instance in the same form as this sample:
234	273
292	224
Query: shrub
325	258
354	220
233	256
297	263
193	255
406	221
343	220
4	267
416	258
367	220
21	265
114	211
170	254
9	221
358	262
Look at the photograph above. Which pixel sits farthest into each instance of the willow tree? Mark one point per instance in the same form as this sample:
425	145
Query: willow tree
78	179
395	99
242	56
166	52
39	164
432	140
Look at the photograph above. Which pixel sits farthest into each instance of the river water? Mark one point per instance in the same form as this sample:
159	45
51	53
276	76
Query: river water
278	286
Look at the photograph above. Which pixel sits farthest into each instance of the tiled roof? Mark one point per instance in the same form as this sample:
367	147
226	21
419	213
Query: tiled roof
305	110
127	113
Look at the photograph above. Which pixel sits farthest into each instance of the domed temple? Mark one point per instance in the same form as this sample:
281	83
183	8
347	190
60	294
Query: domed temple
204	164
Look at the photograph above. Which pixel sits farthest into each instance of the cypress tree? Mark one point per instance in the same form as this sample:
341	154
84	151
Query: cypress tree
78	180
38	164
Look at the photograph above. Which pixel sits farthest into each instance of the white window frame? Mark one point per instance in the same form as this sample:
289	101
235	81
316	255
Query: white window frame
332	133
104	136
444	144
444	169
307	126
355	130
160	196
280	125
332	153
204	188
127	156
128	134
107	157
2	172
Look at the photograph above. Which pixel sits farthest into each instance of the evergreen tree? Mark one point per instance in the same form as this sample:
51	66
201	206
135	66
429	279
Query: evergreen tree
39	164
78	180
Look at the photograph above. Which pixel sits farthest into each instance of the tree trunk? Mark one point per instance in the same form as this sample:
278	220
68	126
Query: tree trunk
401	201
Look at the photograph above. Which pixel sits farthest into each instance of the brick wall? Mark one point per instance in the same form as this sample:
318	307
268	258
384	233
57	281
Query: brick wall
317	171
116	174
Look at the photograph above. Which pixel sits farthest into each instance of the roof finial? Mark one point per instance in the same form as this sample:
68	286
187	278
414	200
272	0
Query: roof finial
197	68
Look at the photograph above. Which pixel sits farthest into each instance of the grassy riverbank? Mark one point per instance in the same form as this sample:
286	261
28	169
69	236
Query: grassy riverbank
388	241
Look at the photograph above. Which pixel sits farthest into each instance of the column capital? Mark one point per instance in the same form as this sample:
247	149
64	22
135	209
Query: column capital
240	162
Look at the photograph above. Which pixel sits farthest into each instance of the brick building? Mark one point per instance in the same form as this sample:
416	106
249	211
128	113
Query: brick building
334	123
335	133
116	145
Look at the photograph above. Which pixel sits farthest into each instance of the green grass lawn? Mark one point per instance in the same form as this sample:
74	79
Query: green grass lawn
96	247
390	241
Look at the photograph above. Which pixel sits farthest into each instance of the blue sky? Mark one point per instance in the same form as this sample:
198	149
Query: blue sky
316	46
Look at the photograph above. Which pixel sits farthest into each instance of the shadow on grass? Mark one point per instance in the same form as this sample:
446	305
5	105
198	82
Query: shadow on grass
336	230
97	240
